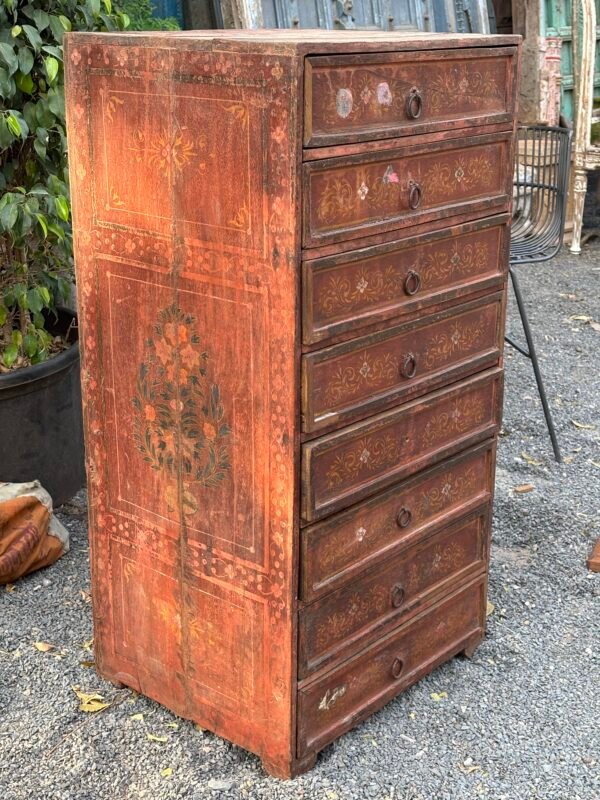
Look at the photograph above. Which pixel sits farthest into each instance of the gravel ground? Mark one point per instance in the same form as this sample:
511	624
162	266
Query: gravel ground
521	720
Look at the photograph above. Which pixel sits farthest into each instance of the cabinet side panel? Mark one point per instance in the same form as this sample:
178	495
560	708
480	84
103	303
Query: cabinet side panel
183	167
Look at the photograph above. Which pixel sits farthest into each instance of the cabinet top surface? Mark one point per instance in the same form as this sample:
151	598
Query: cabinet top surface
302	41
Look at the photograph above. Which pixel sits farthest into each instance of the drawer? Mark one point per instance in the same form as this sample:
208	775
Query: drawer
332	627
341	468
349	98
347	292
335	703
352	380
335	551
371	192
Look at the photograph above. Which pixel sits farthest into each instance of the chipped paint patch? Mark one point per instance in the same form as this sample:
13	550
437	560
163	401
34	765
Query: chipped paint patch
344	103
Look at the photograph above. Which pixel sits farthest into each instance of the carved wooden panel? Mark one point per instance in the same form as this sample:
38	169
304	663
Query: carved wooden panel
333	626
346	292
345	695
345	466
337	550
367	193
350	98
350	380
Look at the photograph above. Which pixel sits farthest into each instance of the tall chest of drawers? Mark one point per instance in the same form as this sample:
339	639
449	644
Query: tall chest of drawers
291	254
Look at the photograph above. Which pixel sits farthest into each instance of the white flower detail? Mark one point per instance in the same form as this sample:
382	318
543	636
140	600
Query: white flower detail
363	190
365	456
361	533
362	284
459	174
365	369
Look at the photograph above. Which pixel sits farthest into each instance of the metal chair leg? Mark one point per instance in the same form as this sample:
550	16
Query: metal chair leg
536	367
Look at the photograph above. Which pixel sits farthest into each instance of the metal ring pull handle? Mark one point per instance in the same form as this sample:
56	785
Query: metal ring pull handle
397	596
412	282
409	366
403	517
415	193
414	104
397	668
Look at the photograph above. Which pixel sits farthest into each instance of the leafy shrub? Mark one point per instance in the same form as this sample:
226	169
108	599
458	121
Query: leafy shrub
141	19
35	234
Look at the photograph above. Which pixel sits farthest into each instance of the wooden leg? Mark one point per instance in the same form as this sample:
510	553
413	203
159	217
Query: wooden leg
593	562
579	190
469	650
290	770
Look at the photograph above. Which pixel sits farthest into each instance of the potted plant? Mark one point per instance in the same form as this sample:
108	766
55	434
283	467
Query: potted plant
40	401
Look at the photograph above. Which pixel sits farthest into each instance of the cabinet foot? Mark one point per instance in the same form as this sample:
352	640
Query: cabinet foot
287	770
473	644
593	562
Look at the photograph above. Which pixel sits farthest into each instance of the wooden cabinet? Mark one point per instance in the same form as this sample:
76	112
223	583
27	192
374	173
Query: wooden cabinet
291	253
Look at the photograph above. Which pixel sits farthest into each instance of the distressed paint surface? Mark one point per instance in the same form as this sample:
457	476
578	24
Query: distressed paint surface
183	192
189	200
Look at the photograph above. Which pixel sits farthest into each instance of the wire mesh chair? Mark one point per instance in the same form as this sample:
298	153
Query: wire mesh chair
541	178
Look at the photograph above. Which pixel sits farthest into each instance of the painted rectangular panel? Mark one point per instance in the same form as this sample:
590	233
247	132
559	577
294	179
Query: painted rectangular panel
350	291
350	99
368	193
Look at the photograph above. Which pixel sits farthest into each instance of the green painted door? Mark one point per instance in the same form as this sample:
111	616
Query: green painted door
558	22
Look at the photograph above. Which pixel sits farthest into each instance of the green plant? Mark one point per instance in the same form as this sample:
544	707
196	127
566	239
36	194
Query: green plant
141	18
35	233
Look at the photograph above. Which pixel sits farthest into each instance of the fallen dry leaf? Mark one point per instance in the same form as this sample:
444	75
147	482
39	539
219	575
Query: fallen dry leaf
595	325
90	702
166	772
173	725
531	460
490	608
568	459
87	645
10	587
137	717
580	318
595	463
468	770
583	425
524	488
437	696
154	738
85	596
87	664
43	647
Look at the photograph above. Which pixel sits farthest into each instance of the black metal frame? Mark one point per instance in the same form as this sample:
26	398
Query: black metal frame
539	211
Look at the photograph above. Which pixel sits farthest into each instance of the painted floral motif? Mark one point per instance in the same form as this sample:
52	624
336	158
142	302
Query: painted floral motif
459	339
460	87
450	490
441	264
445	559
372	190
341	293
360	608
370	453
466	412
167	152
443	179
179	426
367	373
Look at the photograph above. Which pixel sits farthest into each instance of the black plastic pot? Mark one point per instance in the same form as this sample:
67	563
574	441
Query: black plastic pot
41	431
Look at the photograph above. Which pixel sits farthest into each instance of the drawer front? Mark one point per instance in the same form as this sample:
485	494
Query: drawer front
364	194
347	695
341	468
352	380
344	293
354	98
343	620
334	552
